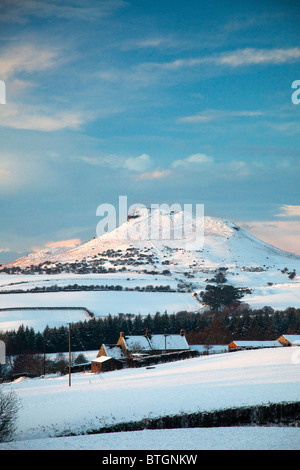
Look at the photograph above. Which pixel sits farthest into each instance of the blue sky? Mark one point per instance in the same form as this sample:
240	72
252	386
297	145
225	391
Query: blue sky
163	101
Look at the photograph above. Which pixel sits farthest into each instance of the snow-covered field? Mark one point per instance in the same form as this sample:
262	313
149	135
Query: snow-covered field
240	438
100	303
280	295
50	408
39	319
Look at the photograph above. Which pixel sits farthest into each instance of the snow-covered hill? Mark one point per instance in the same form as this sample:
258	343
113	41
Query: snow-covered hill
134	258
223	244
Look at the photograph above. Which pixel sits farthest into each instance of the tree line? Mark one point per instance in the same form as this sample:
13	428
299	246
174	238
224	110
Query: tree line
211	327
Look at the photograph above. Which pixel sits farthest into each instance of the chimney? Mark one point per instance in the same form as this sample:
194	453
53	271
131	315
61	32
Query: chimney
182	332
146	333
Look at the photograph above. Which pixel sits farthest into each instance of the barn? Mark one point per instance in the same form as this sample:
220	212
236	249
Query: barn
238	345
289	340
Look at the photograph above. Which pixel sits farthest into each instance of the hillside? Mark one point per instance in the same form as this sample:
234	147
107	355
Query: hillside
144	274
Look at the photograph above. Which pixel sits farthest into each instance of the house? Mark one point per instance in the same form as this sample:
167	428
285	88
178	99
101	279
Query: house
289	340
238	345
153	344
115	356
105	364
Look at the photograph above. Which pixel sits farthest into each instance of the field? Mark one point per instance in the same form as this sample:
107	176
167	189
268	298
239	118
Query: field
51	409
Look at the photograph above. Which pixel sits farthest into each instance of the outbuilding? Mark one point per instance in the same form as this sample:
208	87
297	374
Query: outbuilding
238	345
105	364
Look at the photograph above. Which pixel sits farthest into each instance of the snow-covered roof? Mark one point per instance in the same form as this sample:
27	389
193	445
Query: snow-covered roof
156	342
293	339
213	348
102	359
113	350
257	344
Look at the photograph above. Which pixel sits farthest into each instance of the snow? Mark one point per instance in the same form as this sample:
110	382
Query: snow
100	303
293	339
39	319
241	438
257	344
249	262
156	342
51	408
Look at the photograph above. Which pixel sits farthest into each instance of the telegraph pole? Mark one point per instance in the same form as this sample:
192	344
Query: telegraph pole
44	358
69	354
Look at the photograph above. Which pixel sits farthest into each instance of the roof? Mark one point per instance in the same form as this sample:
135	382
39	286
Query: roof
102	359
294	339
114	350
257	344
156	343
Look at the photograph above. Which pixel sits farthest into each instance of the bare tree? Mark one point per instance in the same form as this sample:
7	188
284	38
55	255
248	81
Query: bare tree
9	407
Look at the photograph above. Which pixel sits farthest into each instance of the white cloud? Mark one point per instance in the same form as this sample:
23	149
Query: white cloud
237	58
153	175
195	159
200	162
27	58
32	118
251	56
289	211
138	164
18	11
213	115
63	243
280	234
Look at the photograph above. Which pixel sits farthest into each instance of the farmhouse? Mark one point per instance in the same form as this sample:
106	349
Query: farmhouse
289	340
153	344
136	350
238	345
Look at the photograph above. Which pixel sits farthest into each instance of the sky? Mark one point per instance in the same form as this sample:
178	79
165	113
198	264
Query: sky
160	101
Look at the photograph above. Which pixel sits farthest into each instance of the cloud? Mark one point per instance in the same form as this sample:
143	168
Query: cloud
135	164
4	250
138	164
200	162
213	115
277	233
19	11
32	118
289	211
28	58
250	56
63	243
237	58
195	159
153	175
